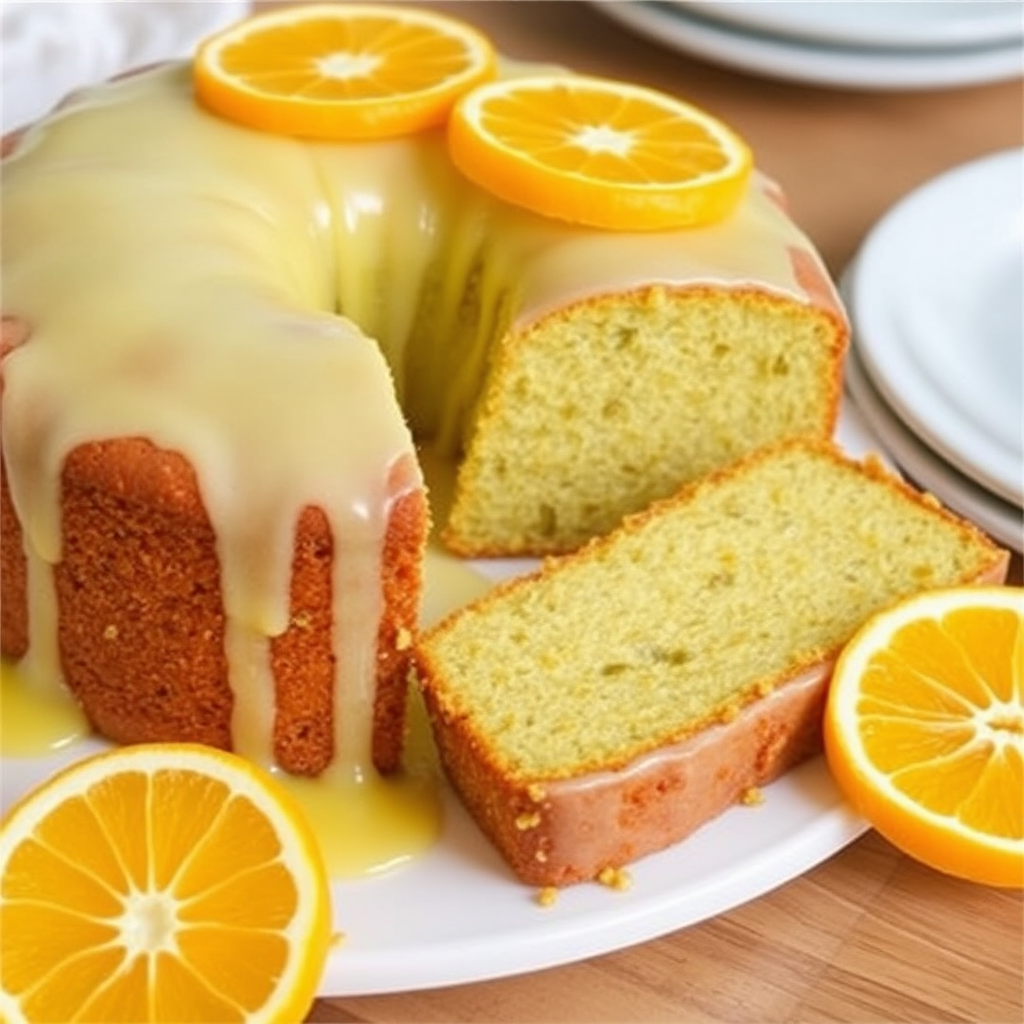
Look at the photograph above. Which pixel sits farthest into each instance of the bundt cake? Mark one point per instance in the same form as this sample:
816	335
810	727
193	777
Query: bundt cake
213	515
616	700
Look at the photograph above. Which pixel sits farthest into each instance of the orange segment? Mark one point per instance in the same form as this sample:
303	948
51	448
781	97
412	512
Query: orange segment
161	882
341	71
599	152
924	730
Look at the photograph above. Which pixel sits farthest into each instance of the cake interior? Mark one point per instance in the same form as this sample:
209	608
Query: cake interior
706	607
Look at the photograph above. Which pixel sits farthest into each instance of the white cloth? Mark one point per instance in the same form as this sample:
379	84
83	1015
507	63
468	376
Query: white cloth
48	49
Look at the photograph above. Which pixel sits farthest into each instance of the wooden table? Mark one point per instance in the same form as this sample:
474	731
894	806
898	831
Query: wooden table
869	935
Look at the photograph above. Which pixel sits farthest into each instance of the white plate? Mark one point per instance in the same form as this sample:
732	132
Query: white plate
458	915
886	24
937	304
802	61
998	518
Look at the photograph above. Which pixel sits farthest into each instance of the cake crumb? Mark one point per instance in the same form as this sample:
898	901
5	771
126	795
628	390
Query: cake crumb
548	896
615	878
524	822
302	620
403	640
536	792
110	633
752	797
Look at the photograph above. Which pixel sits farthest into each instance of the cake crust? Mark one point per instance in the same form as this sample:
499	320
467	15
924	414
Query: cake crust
561	832
141	618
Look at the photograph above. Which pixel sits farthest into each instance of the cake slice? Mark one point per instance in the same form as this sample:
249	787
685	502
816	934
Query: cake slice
611	703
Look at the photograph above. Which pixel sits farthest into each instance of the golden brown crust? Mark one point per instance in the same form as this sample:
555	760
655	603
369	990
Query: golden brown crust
402	585
13	577
557	833
301	657
13	565
141	624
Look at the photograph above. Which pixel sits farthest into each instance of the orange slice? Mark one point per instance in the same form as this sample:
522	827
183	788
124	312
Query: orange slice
599	152
341	71
163	882
924	730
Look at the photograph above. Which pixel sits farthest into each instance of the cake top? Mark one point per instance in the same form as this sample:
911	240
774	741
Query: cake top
587	150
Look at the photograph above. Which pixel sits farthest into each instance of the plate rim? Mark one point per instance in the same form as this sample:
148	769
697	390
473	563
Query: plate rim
997	518
587	920
859	31
871	305
796	61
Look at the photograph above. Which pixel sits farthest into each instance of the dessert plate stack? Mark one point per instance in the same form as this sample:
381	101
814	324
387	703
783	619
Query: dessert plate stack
865	44
936	299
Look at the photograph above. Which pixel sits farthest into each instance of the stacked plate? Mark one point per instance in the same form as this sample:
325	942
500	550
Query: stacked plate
868	44
936	298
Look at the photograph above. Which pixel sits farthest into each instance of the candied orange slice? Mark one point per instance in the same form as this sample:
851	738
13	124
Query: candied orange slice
341	71
599	152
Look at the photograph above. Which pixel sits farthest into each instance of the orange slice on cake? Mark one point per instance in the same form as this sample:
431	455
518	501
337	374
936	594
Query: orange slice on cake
599	152
162	882
341	71
924	730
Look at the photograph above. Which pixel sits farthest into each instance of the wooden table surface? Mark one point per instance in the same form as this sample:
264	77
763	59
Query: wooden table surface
869	935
